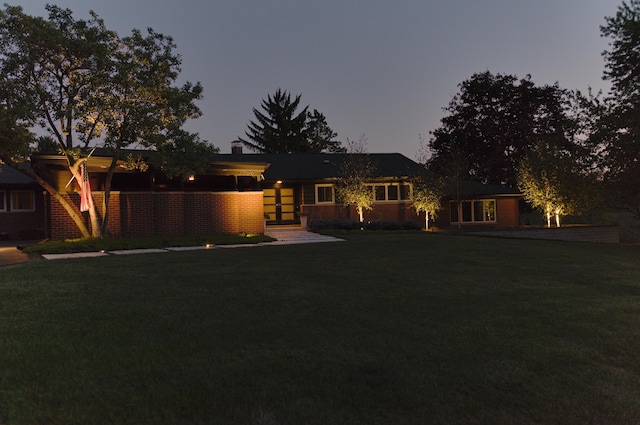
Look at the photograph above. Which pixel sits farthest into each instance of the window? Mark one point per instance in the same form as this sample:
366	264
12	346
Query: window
405	192
3	204
474	211
324	194
23	200
391	192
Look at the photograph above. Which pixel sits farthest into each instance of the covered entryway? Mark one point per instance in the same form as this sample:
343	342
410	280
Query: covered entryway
279	205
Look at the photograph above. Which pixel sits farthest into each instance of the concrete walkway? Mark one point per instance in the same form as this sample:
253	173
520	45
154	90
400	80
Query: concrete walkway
296	235
283	236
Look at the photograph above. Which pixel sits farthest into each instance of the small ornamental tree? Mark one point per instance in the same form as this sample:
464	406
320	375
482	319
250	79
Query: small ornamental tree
427	197
555	183
356	171
428	188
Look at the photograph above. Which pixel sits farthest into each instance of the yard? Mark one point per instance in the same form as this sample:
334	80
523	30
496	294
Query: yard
385	328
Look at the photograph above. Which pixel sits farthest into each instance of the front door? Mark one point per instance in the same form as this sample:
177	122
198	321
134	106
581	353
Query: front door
279	205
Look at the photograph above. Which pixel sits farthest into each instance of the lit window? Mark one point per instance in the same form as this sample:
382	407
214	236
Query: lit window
324	194
3	204
474	211
23	200
391	192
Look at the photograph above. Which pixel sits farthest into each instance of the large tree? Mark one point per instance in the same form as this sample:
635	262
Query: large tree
616	134
495	119
87	86
280	128
320	137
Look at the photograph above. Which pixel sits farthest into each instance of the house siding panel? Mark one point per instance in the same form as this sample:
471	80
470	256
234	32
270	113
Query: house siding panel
508	212
23	225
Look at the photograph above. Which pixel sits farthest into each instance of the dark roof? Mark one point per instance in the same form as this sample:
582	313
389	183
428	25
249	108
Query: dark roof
12	177
319	166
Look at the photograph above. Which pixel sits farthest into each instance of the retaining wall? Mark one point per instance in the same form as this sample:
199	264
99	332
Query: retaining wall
602	234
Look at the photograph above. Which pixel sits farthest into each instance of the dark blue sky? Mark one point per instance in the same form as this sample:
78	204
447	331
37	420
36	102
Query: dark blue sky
380	68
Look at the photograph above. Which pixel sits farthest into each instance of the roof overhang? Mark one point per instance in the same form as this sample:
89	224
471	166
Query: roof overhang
97	164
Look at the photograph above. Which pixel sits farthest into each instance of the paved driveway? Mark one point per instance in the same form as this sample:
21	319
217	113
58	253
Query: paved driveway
10	254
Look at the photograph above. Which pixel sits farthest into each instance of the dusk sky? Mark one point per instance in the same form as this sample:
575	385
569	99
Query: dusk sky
380	68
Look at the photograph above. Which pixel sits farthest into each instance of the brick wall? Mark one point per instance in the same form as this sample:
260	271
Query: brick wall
382	211
139	214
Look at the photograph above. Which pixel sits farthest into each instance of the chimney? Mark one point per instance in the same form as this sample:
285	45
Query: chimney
236	147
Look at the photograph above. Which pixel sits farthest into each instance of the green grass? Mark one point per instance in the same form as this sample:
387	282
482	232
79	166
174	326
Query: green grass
386	328
112	244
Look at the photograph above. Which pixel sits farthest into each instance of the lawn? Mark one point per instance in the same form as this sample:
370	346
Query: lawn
385	328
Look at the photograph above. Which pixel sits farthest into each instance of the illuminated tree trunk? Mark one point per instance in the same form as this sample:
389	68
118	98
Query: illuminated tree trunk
96	228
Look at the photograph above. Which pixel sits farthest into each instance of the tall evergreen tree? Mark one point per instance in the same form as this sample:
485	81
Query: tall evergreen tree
279	128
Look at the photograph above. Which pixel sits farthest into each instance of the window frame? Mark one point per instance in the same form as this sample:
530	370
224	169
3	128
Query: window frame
324	186
453	211
398	188
22	210
3	201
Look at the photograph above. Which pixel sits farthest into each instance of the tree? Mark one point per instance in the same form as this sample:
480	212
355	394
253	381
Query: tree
427	197
356	171
428	187
495	119
280	129
320	137
616	134
87	86
555	182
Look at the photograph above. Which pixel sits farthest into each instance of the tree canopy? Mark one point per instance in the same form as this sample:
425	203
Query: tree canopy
87	86
616	131
279	128
556	182
494	120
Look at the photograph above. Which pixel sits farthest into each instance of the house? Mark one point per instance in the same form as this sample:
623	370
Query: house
305	184
225	199
21	206
234	195
481	206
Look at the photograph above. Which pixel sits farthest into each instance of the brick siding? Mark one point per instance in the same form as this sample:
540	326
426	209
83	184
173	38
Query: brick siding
140	214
